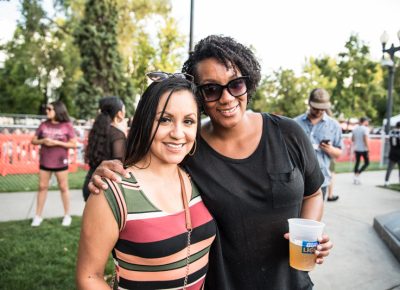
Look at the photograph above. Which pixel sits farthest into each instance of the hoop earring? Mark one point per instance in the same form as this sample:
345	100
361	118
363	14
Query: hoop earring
192	151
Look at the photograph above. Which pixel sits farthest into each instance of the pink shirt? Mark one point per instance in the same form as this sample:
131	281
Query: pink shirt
56	156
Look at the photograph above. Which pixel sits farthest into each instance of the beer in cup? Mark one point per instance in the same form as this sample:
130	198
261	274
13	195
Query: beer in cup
303	241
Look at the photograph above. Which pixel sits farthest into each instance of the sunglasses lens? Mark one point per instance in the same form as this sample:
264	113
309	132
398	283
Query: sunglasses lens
157	76
237	87
211	92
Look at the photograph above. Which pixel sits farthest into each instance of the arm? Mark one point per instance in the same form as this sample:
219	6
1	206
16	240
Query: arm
37	141
365	139
313	206
71	143
332	151
334	148
99	233
111	169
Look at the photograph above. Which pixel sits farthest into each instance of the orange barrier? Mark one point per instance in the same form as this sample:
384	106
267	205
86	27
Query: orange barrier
19	156
348	154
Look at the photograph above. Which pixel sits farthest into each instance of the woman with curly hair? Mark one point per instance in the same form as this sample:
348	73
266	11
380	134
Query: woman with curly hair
255	171
107	138
55	136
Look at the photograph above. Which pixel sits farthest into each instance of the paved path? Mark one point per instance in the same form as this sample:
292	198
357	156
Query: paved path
359	260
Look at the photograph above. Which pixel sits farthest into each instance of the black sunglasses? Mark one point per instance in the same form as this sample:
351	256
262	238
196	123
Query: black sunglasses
213	92
316	109
159	76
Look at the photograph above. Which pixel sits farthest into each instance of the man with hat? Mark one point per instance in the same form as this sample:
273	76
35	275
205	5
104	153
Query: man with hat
324	132
360	137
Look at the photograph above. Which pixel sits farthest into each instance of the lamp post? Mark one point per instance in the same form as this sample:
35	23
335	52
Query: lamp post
191	25
391	66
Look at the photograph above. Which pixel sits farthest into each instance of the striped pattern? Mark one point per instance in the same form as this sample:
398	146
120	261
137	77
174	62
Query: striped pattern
151	250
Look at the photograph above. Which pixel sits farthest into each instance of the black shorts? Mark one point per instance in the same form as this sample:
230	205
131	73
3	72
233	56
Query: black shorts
53	169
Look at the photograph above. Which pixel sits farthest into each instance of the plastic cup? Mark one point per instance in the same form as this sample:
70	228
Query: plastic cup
303	242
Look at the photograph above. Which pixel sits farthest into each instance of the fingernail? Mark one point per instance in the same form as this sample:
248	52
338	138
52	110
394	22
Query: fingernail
127	175
104	186
319	248
118	179
316	253
96	191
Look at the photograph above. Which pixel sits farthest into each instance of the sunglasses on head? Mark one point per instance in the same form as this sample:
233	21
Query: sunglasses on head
213	92
159	76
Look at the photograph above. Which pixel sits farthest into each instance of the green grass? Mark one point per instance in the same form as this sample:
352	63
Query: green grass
39	258
343	167
29	182
394	186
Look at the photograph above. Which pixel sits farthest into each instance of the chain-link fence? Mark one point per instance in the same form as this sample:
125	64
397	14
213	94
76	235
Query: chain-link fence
19	159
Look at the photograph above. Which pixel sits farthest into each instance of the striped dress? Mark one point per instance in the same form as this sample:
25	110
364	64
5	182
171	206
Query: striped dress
151	249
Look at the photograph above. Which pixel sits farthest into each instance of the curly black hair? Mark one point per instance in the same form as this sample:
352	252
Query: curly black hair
230	53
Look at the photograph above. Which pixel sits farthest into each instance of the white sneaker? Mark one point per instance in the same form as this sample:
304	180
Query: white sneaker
37	220
66	222
386	184
356	180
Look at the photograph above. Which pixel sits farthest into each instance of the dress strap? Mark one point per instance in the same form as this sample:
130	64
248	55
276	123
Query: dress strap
185	202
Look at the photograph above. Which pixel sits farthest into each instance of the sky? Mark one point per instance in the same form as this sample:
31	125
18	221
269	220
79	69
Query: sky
284	33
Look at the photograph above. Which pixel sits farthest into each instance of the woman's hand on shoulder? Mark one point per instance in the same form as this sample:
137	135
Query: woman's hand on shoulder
111	169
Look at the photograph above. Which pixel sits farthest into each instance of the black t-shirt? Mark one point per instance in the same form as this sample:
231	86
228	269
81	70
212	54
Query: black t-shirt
116	143
251	200
394	140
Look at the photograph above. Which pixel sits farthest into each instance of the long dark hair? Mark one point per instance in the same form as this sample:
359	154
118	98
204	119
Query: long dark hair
98	148
61	113
228	52
140	135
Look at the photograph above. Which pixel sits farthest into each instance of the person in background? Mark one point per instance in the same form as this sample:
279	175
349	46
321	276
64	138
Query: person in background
324	133
107	138
360	136
55	136
331	186
394	153
154	222
255	170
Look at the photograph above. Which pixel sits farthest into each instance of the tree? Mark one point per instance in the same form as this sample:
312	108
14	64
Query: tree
118	48
40	65
283	93
148	39
100	60
358	81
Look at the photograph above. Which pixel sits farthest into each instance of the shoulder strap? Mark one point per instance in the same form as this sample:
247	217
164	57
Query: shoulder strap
117	201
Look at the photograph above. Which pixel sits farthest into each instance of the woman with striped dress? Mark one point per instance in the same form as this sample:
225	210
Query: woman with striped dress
154	222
